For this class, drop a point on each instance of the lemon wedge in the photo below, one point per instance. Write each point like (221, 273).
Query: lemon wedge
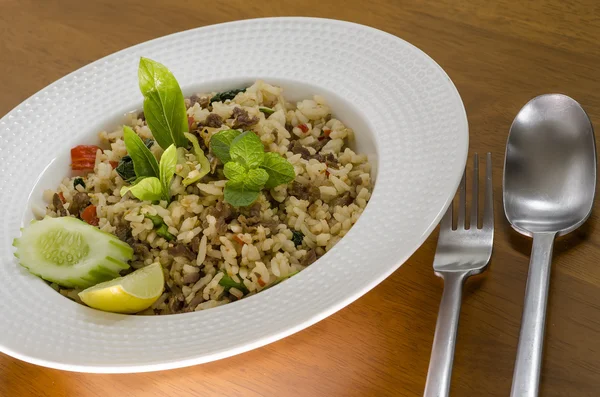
(132, 293)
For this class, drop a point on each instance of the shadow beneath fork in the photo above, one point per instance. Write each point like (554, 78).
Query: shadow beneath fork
(475, 283)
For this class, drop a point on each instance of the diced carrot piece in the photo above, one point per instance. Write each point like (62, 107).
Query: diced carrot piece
(89, 215)
(261, 282)
(326, 132)
(238, 239)
(62, 197)
(83, 157)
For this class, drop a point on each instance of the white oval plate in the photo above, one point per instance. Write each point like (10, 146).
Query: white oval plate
(407, 116)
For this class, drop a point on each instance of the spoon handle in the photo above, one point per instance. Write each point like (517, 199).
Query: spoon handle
(444, 340)
(526, 376)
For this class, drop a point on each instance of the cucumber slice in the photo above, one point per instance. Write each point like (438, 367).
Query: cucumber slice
(71, 253)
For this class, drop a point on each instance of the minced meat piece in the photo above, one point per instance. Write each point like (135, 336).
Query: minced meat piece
(248, 223)
(195, 244)
(213, 120)
(80, 202)
(58, 205)
(309, 258)
(193, 99)
(297, 148)
(141, 250)
(331, 161)
(204, 102)
(123, 232)
(181, 250)
(270, 224)
(198, 299)
(255, 210)
(343, 200)
(176, 303)
(222, 210)
(221, 226)
(328, 159)
(242, 119)
(318, 145)
(223, 213)
(310, 193)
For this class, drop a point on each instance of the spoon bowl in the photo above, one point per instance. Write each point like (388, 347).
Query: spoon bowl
(550, 168)
(549, 187)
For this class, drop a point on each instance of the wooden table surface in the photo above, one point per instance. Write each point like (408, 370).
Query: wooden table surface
(499, 54)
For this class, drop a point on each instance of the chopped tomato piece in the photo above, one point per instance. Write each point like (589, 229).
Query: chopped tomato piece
(303, 127)
(114, 164)
(261, 282)
(62, 197)
(83, 157)
(89, 215)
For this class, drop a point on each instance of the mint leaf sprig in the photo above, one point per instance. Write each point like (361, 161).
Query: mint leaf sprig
(247, 167)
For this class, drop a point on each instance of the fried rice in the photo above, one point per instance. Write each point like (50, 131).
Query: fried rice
(256, 247)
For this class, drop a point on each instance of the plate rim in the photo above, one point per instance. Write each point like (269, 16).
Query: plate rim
(308, 320)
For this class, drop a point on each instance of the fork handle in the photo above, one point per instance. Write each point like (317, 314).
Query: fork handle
(444, 341)
(526, 376)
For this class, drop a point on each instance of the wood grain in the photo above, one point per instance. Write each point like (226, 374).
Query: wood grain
(499, 54)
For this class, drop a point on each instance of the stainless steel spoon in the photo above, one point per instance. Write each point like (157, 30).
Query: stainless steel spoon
(549, 187)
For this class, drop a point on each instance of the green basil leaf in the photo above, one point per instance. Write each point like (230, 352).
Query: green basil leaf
(223, 96)
(156, 220)
(78, 181)
(297, 237)
(239, 195)
(144, 162)
(234, 171)
(125, 169)
(228, 282)
(279, 169)
(200, 156)
(163, 231)
(256, 179)
(220, 144)
(248, 150)
(147, 189)
(266, 111)
(164, 106)
(168, 163)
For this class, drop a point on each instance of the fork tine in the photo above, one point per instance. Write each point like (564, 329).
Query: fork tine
(475, 202)
(488, 212)
(462, 202)
(446, 223)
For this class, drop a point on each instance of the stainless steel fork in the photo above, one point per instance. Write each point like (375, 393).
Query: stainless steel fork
(461, 252)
